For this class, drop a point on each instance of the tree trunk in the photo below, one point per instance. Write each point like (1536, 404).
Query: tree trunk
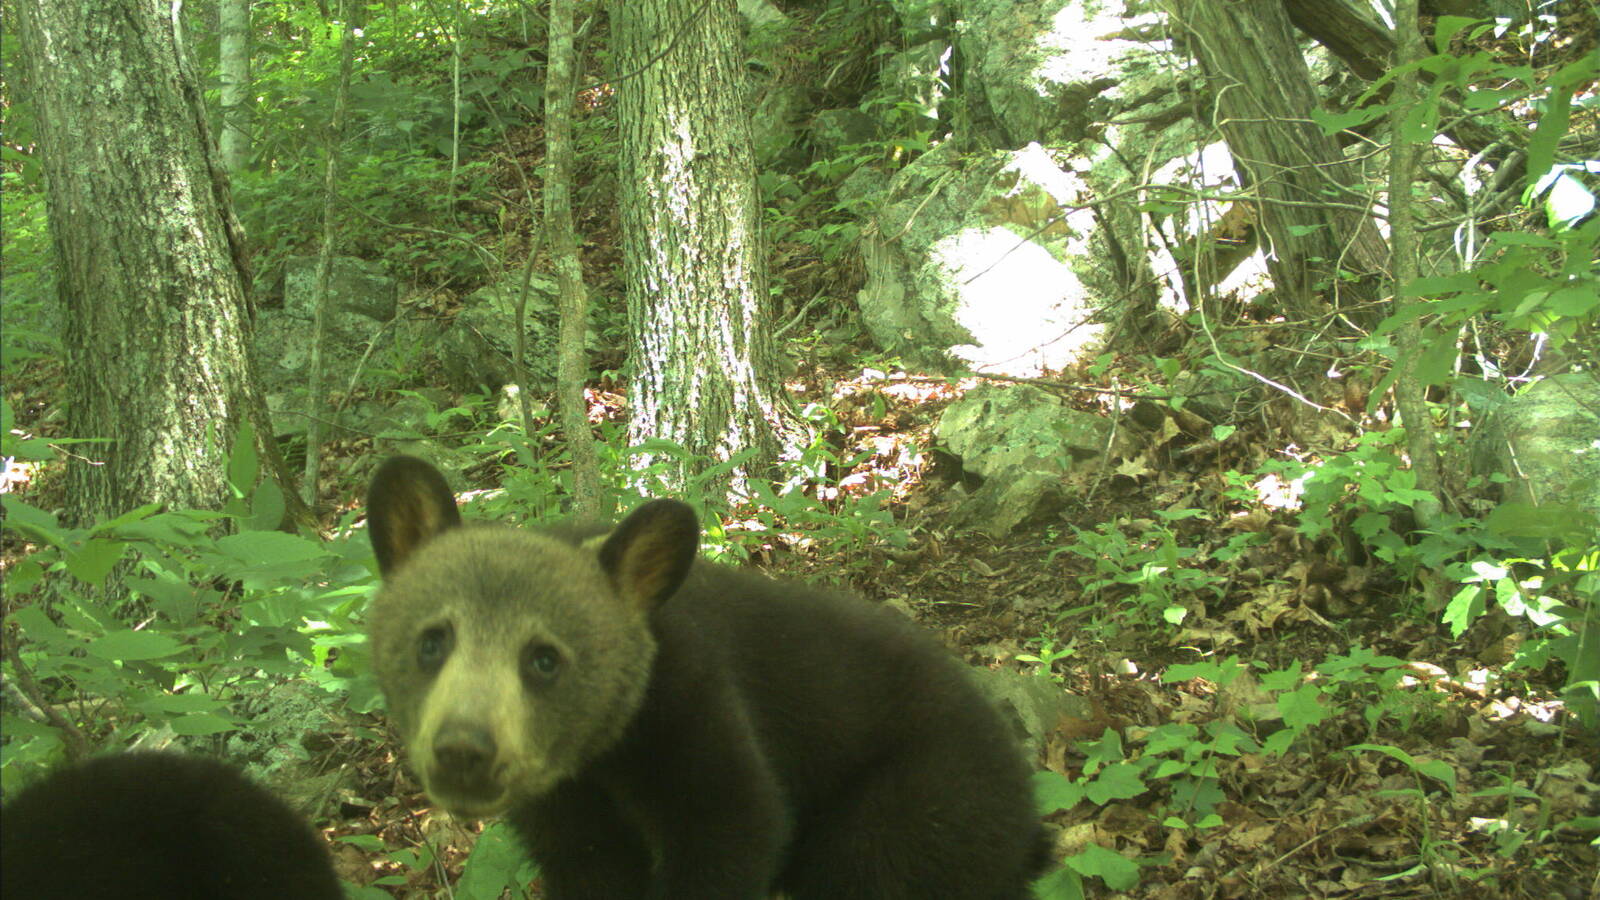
(233, 60)
(572, 363)
(1409, 391)
(702, 353)
(1299, 178)
(316, 378)
(151, 275)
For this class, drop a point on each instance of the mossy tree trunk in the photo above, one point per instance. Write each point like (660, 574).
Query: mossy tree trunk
(151, 275)
(704, 372)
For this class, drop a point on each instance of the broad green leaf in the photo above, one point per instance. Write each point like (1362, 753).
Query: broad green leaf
(1053, 791)
(95, 559)
(498, 861)
(38, 626)
(1438, 355)
(268, 547)
(1117, 871)
(1118, 781)
(1302, 707)
(134, 645)
(32, 520)
(242, 463)
(1447, 27)
(1463, 609)
(266, 506)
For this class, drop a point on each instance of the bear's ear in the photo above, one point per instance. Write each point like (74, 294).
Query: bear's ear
(649, 554)
(407, 504)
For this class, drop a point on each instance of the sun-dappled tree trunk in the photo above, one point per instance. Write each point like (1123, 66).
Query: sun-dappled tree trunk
(151, 278)
(572, 364)
(233, 63)
(702, 352)
(1312, 221)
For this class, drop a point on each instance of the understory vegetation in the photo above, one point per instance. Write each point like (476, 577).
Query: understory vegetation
(1277, 675)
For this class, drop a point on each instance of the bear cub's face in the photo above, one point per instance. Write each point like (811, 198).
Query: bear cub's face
(510, 657)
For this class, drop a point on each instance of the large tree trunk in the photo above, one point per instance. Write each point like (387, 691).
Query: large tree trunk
(1315, 229)
(702, 353)
(150, 272)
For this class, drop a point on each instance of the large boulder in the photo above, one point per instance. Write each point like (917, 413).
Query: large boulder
(975, 264)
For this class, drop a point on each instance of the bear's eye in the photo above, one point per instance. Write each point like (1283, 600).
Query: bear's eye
(540, 663)
(433, 646)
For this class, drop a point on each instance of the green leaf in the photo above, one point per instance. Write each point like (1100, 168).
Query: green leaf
(1432, 768)
(1053, 792)
(1574, 301)
(37, 625)
(32, 520)
(1118, 872)
(1438, 356)
(1302, 707)
(1447, 27)
(266, 506)
(1118, 781)
(1464, 609)
(497, 862)
(128, 518)
(196, 724)
(1439, 770)
(263, 548)
(1552, 125)
(242, 463)
(181, 528)
(134, 645)
(95, 559)
(24, 574)
(1062, 884)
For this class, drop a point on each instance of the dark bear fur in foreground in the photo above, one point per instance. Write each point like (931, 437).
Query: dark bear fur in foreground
(158, 826)
(657, 727)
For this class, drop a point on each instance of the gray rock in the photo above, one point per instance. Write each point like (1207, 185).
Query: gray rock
(1022, 442)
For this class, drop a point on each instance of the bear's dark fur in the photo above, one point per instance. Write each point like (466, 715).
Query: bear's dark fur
(657, 727)
(158, 826)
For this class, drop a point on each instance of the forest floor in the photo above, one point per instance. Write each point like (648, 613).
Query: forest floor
(1320, 820)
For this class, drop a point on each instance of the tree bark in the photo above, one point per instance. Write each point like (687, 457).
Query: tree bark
(1350, 33)
(572, 363)
(702, 353)
(1409, 391)
(151, 273)
(1263, 95)
(233, 61)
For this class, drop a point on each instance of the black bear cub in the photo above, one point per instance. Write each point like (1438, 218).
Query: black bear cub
(662, 728)
(158, 826)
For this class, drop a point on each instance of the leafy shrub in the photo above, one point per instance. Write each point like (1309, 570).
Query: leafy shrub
(194, 624)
